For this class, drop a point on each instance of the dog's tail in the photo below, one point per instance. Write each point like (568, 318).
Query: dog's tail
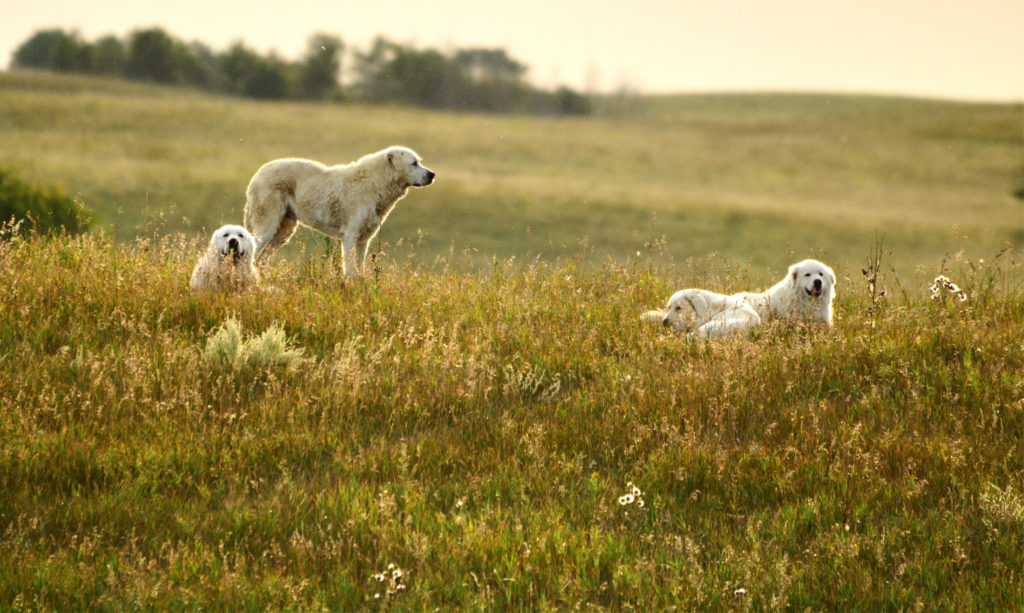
(285, 230)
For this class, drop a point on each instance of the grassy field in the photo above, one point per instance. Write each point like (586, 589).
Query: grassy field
(759, 180)
(481, 423)
(479, 434)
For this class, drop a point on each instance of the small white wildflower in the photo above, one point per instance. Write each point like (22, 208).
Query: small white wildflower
(739, 592)
(626, 499)
(640, 503)
(635, 490)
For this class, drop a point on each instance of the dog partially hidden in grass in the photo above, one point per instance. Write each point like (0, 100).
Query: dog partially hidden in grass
(227, 263)
(806, 294)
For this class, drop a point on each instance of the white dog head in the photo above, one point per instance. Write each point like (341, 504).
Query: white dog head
(235, 241)
(407, 164)
(680, 312)
(814, 278)
(811, 289)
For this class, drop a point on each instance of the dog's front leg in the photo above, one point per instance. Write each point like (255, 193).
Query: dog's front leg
(350, 252)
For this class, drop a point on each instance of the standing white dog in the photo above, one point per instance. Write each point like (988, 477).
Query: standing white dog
(806, 294)
(347, 201)
(227, 262)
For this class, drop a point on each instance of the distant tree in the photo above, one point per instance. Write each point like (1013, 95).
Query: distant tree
(392, 72)
(246, 73)
(571, 102)
(489, 65)
(371, 82)
(194, 64)
(236, 66)
(267, 82)
(151, 56)
(70, 55)
(207, 63)
(107, 56)
(52, 50)
(37, 51)
(423, 78)
(321, 70)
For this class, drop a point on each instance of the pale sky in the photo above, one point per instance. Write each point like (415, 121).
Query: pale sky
(969, 50)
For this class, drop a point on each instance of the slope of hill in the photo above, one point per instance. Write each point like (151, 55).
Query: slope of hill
(758, 179)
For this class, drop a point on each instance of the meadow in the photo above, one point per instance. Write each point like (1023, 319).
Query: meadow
(481, 423)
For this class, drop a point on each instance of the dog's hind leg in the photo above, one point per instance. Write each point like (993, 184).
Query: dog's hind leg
(271, 219)
(285, 229)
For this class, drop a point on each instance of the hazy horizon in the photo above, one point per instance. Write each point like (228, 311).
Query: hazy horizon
(938, 50)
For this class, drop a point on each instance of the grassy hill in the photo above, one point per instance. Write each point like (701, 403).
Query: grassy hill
(758, 179)
(483, 433)
(463, 428)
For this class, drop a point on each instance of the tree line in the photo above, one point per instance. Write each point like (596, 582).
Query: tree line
(475, 79)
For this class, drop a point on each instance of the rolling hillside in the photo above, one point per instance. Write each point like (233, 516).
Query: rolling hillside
(758, 179)
(481, 423)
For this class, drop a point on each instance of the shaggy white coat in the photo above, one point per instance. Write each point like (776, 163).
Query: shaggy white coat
(806, 293)
(347, 201)
(227, 263)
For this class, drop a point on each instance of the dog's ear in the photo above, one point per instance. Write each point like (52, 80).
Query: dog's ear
(395, 159)
(793, 272)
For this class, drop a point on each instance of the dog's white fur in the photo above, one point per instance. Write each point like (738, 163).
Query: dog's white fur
(806, 293)
(347, 201)
(227, 263)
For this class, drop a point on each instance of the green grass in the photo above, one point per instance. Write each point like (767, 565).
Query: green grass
(758, 179)
(476, 430)
(473, 409)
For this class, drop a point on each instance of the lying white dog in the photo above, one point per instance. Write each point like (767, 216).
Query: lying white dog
(228, 261)
(805, 294)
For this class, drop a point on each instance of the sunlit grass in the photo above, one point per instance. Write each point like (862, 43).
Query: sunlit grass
(477, 432)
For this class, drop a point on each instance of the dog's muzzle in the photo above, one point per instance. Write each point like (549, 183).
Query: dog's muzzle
(234, 250)
(816, 289)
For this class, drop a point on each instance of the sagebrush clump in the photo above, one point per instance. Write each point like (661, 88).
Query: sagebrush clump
(38, 208)
(229, 348)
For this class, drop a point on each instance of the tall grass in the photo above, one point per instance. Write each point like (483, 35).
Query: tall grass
(461, 440)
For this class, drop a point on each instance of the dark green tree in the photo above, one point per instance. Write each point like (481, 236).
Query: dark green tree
(52, 50)
(321, 70)
(246, 73)
(151, 57)
(570, 102)
(107, 56)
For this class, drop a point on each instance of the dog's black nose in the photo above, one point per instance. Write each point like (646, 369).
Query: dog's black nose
(233, 244)
(430, 177)
(817, 284)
